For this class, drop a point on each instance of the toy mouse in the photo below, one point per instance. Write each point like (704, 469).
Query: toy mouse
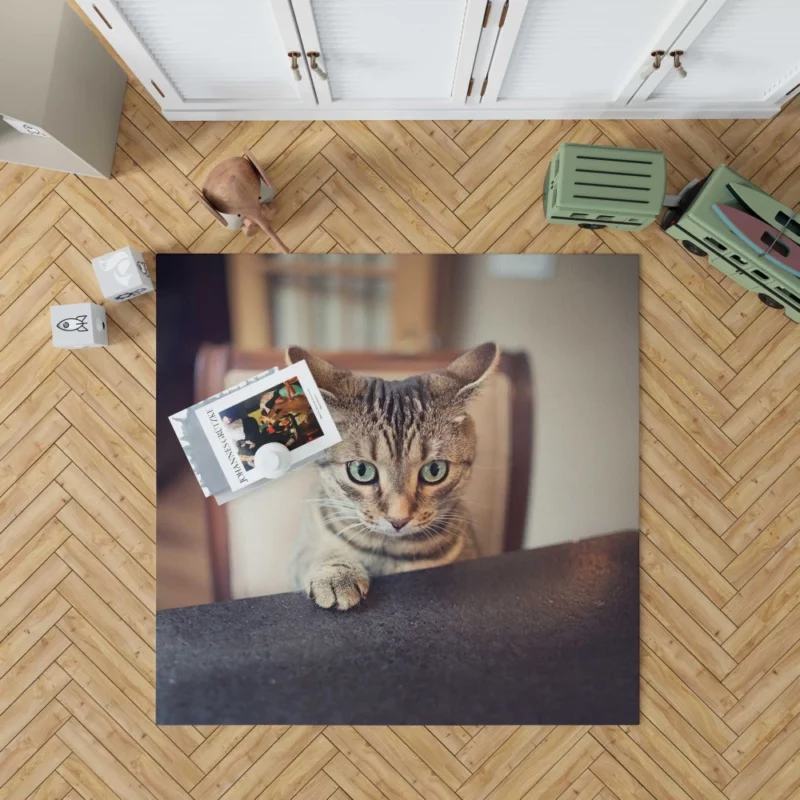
(233, 188)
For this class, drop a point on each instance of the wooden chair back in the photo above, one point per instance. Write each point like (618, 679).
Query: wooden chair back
(215, 362)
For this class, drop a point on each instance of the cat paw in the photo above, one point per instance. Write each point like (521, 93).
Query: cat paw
(339, 586)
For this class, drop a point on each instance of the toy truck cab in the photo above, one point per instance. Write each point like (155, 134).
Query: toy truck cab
(701, 231)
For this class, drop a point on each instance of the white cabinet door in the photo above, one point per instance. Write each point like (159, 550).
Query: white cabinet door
(558, 53)
(208, 54)
(390, 54)
(734, 51)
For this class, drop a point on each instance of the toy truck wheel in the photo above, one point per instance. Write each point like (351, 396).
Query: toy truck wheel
(769, 301)
(693, 248)
(592, 226)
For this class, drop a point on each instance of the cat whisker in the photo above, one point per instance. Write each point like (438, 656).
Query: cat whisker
(331, 504)
(452, 518)
(436, 539)
(349, 527)
(444, 533)
(350, 538)
(324, 499)
(327, 501)
(441, 528)
(338, 509)
(342, 518)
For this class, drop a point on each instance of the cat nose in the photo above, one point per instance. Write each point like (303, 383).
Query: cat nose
(398, 523)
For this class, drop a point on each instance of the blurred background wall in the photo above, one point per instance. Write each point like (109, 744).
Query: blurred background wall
(575, 316)
(578, 318)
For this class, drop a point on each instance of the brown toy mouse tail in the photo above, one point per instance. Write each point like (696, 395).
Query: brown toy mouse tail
(267, 228)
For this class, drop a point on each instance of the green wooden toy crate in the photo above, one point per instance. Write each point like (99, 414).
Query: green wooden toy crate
(599, 187)
(697, 227)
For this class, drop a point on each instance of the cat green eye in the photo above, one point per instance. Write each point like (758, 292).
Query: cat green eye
(362, 471)
(433, 472)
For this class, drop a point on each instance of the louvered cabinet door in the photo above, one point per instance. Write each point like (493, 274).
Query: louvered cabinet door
(552, 54)
(390, 54)
(734, 52)
(208, 55)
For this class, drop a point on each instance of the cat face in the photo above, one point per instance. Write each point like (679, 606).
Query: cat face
(407, 446)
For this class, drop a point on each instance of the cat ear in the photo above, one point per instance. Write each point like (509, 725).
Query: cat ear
(332, 382)
(473, 368)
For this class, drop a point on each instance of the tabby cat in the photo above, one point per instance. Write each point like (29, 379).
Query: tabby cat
(390, 494)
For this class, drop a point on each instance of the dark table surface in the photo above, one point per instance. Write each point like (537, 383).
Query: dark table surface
(546, 636)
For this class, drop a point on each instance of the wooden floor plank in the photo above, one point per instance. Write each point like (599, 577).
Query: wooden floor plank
(38, 768)
(153, 198)
(692, 635)
(12, 176)
(680, 588)
(103, 473)
(32, 592)
(494, 152)
(19, 280)
(685, 701)
(419, 161)
(31, 484)
(681, 553)
(120, 744)
(682, 735)
(498, 182)
(236, 762)
(377, 164)
(159, 131)
(111, 625)
(437, 143)
(144, 153)
(30, 230)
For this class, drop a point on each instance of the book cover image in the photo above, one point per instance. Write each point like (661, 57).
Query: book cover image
(284, 407)
(281, 414)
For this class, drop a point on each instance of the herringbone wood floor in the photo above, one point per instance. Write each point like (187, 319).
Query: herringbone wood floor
(720, 462)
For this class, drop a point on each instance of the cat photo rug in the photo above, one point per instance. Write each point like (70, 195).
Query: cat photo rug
(462, 545)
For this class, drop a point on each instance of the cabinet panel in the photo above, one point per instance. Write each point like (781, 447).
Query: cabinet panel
(416, 59)
(381, 52)
(581, 50)
(207, 53)
(748, 51)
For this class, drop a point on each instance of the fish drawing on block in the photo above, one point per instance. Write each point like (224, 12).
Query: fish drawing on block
(763, 238)
(769, 209)
(74, 324)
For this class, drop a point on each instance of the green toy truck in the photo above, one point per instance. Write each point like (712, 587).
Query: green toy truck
(700, 230)
(609, 187)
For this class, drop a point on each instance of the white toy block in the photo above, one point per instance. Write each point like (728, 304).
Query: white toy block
(122, 274)
(78, 325)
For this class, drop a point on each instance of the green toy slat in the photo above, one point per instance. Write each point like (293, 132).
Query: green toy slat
(638, 183)
(616, 193)
(621, 155)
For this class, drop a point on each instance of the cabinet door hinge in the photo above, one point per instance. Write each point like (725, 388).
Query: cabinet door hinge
(469, 88)
(483, 88)
(503, 15)
(487, 12)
